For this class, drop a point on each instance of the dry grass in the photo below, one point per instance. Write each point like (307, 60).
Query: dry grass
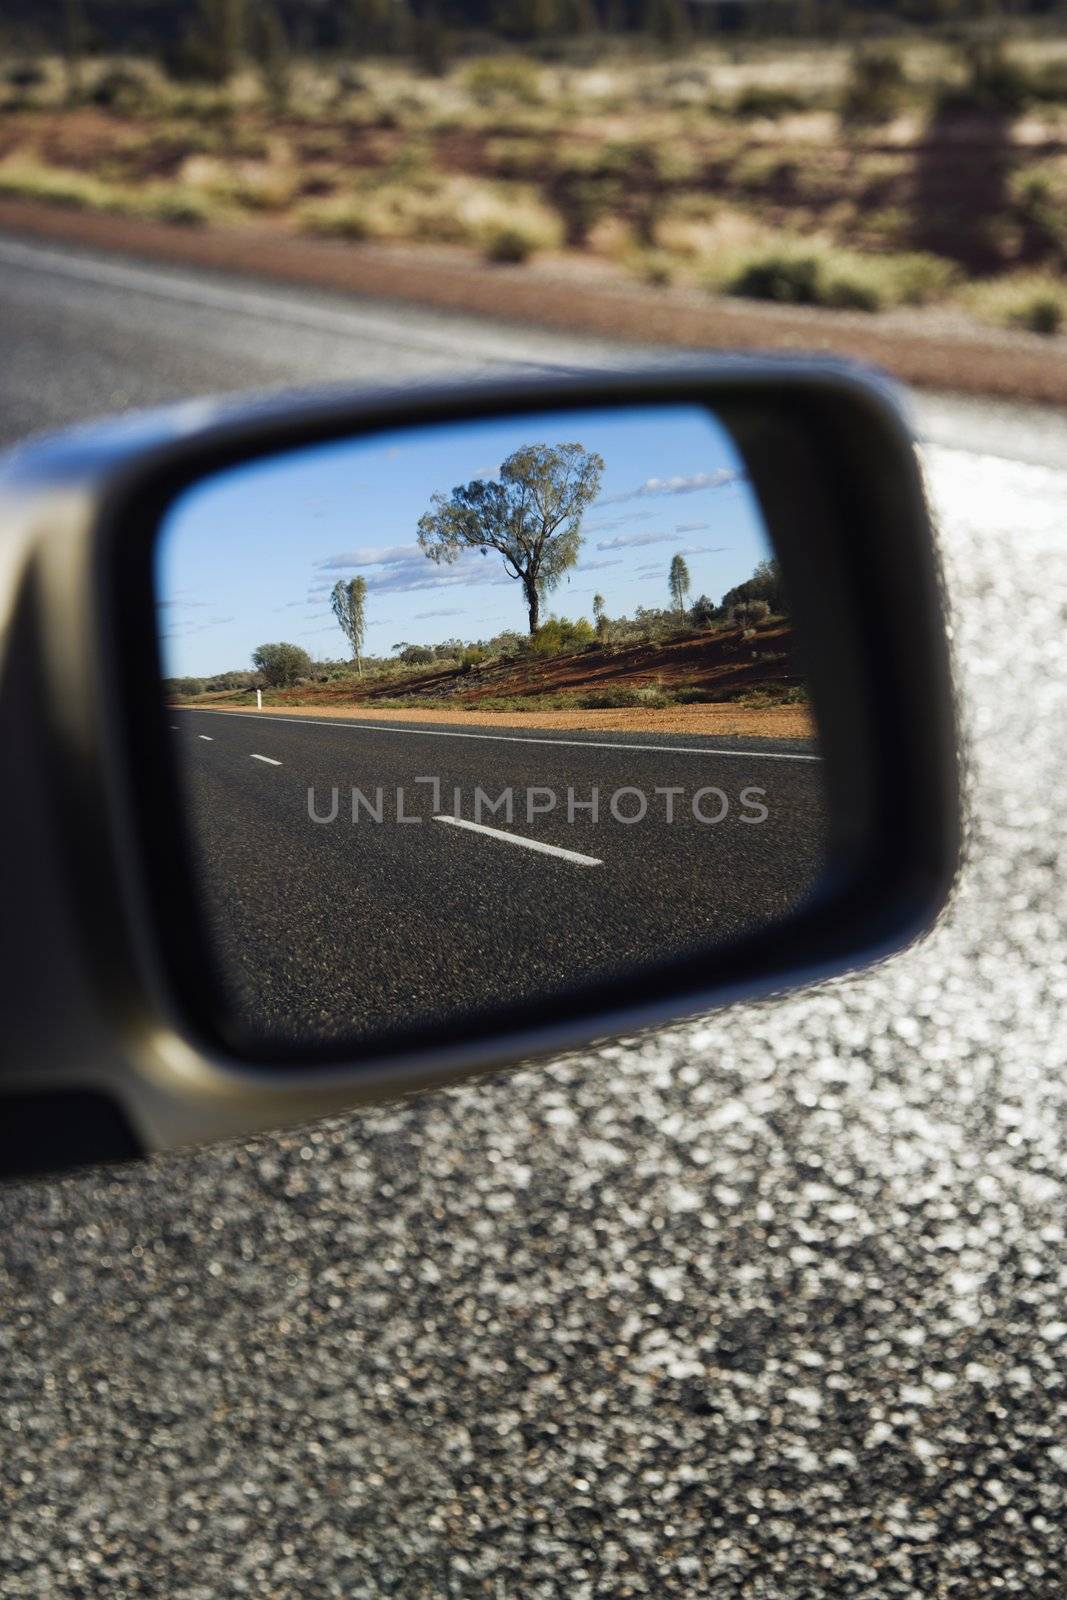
(818, 272)
(440, 209)
(176, 203)
(1035, 302)
(730, 172)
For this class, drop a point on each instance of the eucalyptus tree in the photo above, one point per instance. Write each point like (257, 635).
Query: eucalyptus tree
(530, 516)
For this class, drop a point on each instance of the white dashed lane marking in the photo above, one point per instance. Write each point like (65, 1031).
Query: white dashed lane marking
(527, 844)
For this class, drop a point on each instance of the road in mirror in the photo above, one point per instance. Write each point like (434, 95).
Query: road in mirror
(478, 713)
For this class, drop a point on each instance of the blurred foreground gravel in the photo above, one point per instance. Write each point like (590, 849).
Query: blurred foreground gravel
(773, 1307)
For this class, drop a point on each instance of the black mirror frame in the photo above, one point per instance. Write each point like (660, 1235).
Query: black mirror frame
(848, 515)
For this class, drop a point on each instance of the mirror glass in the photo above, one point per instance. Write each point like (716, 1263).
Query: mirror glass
(480, 713)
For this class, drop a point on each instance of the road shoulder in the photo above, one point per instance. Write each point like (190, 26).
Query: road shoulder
(757, 722)
(928, 350)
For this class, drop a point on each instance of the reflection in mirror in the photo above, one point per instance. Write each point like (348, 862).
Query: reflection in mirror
(475, 714)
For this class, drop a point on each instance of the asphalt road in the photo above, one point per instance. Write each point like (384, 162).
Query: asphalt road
(476, 869)
(773, 1306)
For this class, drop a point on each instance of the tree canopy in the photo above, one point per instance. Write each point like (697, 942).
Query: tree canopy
(764, 584)
(678, 581)
(348, 601)
(281, 664)
(531, 516)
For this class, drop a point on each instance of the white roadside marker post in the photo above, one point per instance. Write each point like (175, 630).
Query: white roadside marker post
(259, 699)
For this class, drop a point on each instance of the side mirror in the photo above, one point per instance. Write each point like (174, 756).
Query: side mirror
(362, 744)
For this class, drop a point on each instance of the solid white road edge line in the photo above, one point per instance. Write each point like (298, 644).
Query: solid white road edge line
(510, 738)
(527, 844)
(296, 310)
(268, 759)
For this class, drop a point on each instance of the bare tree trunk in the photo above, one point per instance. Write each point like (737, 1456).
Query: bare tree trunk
(533, 601)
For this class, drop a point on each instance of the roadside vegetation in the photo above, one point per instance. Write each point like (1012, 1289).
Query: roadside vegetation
(737, 651)
(869, 173)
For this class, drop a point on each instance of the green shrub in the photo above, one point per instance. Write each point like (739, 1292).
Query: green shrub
(1040, 209)
(581, 192)
(25, 76)
(917, 278)
(1049, 83)
(760, 100)
(875, 87)
(624, 697)
(54, 186)
(515, 158)
(703, 613)
(559, 635)
(824, 275)
(185, 208)
(508, 244)
(1033, 302)
(1041, 311)
(639, 171)
(281, 664)
(416, 655)
(765, 172)
(653, 267)
(503, 77)
(774, 694)
(749, 613)
(788, 278)
(119, 88)
(993, 84)
(337, 219)
(850, 289)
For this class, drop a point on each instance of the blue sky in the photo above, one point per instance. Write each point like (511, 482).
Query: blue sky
(250, 555)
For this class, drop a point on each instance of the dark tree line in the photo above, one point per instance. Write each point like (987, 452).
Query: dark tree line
(168, 27)
(764, 584)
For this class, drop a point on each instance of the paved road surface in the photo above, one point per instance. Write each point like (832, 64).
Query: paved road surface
(386, 914)
(772, 1307)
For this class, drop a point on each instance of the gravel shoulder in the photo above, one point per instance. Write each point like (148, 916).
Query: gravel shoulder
(769, 722)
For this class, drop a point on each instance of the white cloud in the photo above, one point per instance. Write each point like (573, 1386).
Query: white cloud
(405, 581)
(405, 569)
(370, 556)
(611, 523)
(691, 527)
(184, 631)
(679, 483)
(685, 550)
(633, 541)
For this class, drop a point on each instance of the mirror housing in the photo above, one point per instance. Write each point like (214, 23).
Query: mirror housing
(110, 1048)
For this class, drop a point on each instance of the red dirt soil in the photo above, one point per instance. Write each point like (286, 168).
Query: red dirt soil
(719, 665)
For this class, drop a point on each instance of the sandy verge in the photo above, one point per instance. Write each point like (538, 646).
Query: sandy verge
(926, 348)
(769, 722)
